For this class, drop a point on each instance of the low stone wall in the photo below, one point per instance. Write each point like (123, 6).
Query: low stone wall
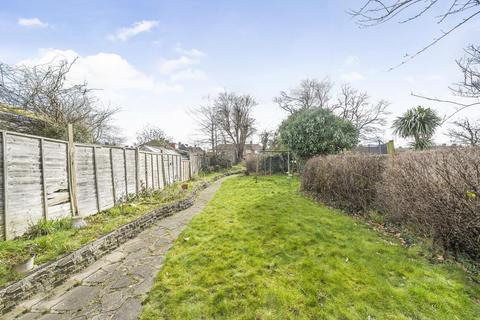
(52, 274)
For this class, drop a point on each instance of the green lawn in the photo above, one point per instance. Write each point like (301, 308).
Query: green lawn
(263, 251)
(52, 239)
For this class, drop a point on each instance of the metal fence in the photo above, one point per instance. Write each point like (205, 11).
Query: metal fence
(42, 178)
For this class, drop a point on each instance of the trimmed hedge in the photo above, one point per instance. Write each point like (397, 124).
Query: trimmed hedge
(436, 192)
(347, 181)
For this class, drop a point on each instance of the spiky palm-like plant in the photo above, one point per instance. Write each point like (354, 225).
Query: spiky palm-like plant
(418, 123)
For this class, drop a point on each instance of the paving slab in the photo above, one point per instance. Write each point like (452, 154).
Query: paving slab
(115, 286)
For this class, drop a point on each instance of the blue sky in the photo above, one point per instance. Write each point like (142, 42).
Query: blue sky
(157, 60)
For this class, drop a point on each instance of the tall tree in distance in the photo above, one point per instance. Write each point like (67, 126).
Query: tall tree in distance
(311, 93)
(234, 116)
(351, 104)
(465, 132)
(207, 120)
(470, 68)
(418, 123)
(153, 136)
(265, 139)
(367, 117)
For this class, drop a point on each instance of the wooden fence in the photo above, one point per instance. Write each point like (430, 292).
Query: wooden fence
(42, 178)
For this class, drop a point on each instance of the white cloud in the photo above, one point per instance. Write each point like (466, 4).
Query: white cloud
(123, 34)
(188, 75)
(168, 66)
(410, 79)
(32, 22)
(352, 76)
(193, 53)
(111, 73)
(181, 64)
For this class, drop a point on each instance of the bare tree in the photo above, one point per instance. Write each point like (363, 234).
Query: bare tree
(265, 138)
(153, 136)
(235, 118)
(465, 132)
(355, 106)
(468, 87)
(39, 100)
(470, 68)
(311, 93)
(207, 120)
(375, 12)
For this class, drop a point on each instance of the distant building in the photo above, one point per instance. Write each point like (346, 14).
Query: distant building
(228, 152)
(164, 150)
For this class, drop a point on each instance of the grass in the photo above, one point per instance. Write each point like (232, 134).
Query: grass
(51, 239)
(263, 251)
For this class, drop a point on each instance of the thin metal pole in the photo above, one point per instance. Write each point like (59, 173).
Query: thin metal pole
(288, 162)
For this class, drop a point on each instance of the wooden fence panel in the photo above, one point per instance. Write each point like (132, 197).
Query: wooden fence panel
(176, 168)
(118, 162)
(142, 171)
(166, 170)
(185, 170)
(56, 179)
(35, 177)
(104, 178)
(86, 185)
(148, 171)
(24, 183)
(131, 171)
(155, 176)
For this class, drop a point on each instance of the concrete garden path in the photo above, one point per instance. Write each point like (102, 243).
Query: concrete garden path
(114, 286)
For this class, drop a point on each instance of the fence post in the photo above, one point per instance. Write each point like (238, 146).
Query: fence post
(168, 168)
(158, 173)
(125, 170)
(153, 175)
(180, 168)
(146, 171)
(163, 172)
(137, 169)
(44, 183)
(72, 171)
(5, 186)
(390, 148)
(113, 177)
(95, 175)
(190, 167)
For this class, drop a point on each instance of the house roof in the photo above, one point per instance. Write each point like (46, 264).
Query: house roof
(158, 150)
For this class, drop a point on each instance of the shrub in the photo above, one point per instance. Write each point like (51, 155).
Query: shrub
(438, 194)
(317, 131)
(346, 181)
